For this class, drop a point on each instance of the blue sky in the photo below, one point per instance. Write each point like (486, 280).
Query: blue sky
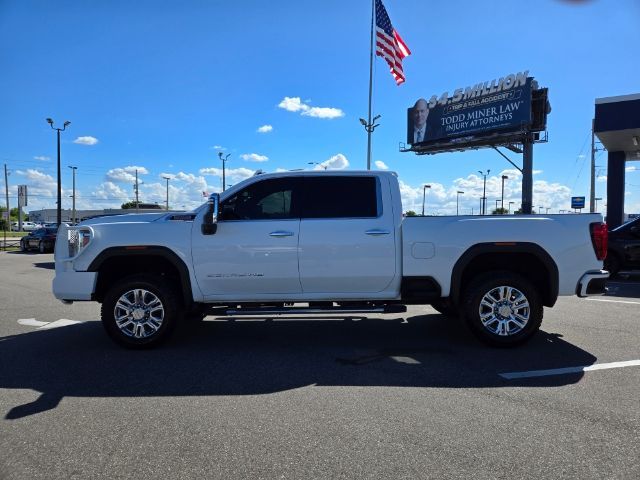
(163, 86)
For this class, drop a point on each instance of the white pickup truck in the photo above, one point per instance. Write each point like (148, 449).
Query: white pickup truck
(325, 242)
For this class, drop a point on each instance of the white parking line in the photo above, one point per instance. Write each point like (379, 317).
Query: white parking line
(564, 371)
(612, 301)
(31, 322)
(63, 322)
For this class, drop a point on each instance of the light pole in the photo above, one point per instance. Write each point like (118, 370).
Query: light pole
(424, 191)
(596, 202)
(73, 208)
(369, 127)
(167, 179)
(547, 212)
(484, 191)
(504, 177)
(510, 203)
(59, 210)
(224, 161)
(540, 209)
(458, 193)
(324, 167)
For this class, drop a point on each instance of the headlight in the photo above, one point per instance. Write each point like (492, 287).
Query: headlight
(78, 239)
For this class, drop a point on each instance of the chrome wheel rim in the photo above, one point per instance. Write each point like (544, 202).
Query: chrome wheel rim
(138, 313)
(504, 311)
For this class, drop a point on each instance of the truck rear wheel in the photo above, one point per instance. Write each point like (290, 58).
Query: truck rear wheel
(503, 309)
(140, 312)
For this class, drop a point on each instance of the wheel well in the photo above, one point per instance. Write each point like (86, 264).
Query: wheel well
(526, 264)
(117, 267)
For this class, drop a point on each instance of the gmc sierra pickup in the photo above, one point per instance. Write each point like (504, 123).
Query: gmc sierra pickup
(325, 242)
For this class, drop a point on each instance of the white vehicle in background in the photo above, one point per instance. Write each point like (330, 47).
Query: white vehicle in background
(326, 242)
(26, 226)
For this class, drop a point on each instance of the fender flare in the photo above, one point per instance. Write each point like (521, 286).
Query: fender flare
(479, 249)
(148, 250)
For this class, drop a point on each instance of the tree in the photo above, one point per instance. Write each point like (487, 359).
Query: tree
(128, 205)
(500, 211)
(410, 213)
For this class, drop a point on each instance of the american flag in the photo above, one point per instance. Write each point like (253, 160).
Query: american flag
(389, 44)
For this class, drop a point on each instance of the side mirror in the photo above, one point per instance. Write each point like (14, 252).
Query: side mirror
(210, 222)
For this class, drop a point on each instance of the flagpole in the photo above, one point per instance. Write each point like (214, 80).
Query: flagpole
(369, 129)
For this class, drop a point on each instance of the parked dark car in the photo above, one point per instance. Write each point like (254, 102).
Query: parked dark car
(623, 252)
(42, 239)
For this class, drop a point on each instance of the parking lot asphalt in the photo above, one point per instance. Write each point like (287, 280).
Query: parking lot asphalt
(379, 396)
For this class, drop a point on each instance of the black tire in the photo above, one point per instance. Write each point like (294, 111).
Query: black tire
(445, 307)
(612, 264)
(42, 248)
(149, 297)
(23, 246)
(502, 309)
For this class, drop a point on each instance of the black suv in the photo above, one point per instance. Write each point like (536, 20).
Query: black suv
(42, 239)
(623, 252)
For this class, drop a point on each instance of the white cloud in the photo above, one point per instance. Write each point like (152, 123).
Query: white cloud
(630, 169)
(380, 165)
(42, 158)
(294, 104)
(323, 112)
(86, 140)
(111, 191)
(265, 129)
(254, 157)
(337, 162)
(126, 174)
(218, 147)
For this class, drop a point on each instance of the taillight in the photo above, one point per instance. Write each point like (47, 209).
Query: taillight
(599, 239)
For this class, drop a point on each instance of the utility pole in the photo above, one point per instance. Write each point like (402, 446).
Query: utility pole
(73, 208)
(167, 179)
(458, 201)
(369, 126)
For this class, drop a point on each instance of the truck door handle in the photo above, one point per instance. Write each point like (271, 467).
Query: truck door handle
(281, 233)
(377, 231)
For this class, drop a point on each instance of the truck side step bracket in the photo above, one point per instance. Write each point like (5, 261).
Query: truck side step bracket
(392, 308)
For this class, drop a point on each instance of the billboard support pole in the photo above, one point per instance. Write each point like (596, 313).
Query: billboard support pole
(527, 174)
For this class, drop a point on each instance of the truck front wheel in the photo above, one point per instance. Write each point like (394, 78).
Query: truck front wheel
(503, 309)
(140, 312)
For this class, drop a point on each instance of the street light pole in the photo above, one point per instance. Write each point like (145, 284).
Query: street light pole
(504, 177)
(510, 203)
(73, 208)
(596, 203)
(167, 179)
(458, 201)
(59, 209)
(224, 161)
(424, 191)
(484, 191)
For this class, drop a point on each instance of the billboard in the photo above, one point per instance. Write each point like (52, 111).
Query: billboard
(22, 195)
(502, 105)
